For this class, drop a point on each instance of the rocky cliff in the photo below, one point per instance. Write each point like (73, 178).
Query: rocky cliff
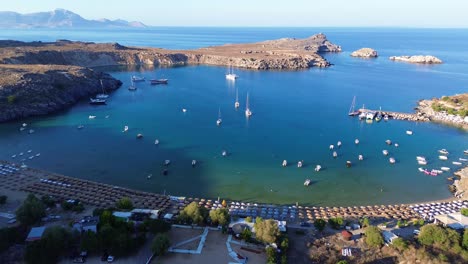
(417, 59)
(364, 53)
(275, 54)
(31, 90)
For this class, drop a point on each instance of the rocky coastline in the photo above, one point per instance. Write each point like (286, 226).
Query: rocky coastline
(461, 185)
(365, 53)
(425, 109)
(421, 59)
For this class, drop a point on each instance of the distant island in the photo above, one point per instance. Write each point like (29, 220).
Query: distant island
(417, 59)
(364, 53)
(39, 78)
(60, 18)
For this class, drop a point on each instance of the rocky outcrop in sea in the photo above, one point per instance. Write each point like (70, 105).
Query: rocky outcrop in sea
(417, 59)
(364, 53)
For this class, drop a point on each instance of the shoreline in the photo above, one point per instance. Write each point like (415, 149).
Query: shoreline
(92, 193)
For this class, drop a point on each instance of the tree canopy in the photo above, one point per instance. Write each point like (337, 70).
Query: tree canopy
(320, 224)
(55, 241)
(160, 244)
(439, 237)
(31, 211)
(156, 226)
(124, 204)
(194, 213)
(374, 237)
(266, 230)
(219, 216)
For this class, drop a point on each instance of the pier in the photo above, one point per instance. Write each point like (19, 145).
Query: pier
(399, 115)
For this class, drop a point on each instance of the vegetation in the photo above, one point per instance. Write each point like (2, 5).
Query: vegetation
(10, 236)
(75, 206)
(193, 213)
(246, 234)
(271, 255)
(374, 237)
(219, 216)
(157, 226)
(336, 223)
(464, 211)
(160, 244)
(89, 242)
(3, 199)
(31, 211)
(48, 201)
(248, 219)
(465, 239)
(124, 204)
(11, 99)
(365, 222)
(441, 238)
(55, 241)
(342, 262)
(456, 105)
(320, 224)
(266, 230)
(400, 244)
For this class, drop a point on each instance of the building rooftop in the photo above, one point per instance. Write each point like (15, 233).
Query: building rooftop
(35, 233)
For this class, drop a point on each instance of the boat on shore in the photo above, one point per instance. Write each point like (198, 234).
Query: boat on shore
(378, 116)
(370, 116)
(352, 111)
(362, 113)
(385, 118)
(307, 182)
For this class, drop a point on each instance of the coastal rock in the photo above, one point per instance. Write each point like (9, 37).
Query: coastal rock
(364, 53)
(459, 103)
(461, 185)
(417, 59)
(32, 90)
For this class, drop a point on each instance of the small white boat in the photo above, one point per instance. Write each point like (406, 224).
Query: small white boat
(107, 116)
(299, 164)
(167, 162)
(360, 157)
(156, 141)
(356, 141)
(331, 147)
(139, 136)
(462, 159)
(335, 154)
(420, 158)
(21, 154)
(22, 128)
(32, 157)
(307, 182)
(92, 117)
(388, 142)
(422, 162)
(80, 127)
(23, 166)
(230, 75)
(465, 152)
(318, 168)
(421, 169)
(224, 153)
(38, 154)
(29, 151)
(24, 125)
(149, 176)
(396, 145)
(184, 110)
(194, 162)
(348, 164)
(437, 171)
(443, 157)
(443, 151)
(31, 131)
(385, 152)
(137, 78)
(445, 168)
(338, 143)
(125, 129)
(285, 163)
(409, 132)
(392, 160)
(13, 156)
(237, 104)
(456, 163)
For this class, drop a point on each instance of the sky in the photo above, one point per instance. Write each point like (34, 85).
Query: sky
(288, 13)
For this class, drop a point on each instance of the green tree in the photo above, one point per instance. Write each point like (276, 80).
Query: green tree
(194, 213)
(124, 204)
(342, 262)
(3, 199)
(89, 242)
(320, 224)
(400, 244)
(11, 99)
(55, 242)
(465, 239)
(271, 255)
(156, 226)
(106, 236)
(284, 245)
(107, 218)
(336, 223)
(439, 237)
(248, 219)
(267, 231)
(374, 237)
(365, 222)
(31, 211)
(160, 244)
(246, 234)
(219, 216)
(464, 211)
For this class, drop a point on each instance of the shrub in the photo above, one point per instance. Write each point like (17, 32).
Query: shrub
(271, 255)
(400, 244)
(342, 262)
(194, 213)
(124, 204)
(266, 230)
(436, 236)
(248, 219)
(31, 211)
(464, 211)
(320, 224)
(11, 99)
(374, 237)
(365, 222)
(465, 239)
(246, 234)
(336, 223)
(160, 244)
(219, 216)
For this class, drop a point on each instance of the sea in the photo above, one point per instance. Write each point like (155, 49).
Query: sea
(297, 115)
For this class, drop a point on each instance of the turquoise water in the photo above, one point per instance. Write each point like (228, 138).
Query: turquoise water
(297, 115)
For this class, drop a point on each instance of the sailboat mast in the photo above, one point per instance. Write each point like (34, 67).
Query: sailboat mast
(102, 87)
(353, 104)
(247, 103)
(237, 95)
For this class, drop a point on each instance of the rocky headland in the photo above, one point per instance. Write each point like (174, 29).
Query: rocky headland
(452, 110)
(461, 185)
(364, 53)
(417, 59)
(31, 90)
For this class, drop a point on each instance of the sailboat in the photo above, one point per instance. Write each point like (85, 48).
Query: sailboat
(363, 113)
(230, 75)
(219, 121)
(351, 111)
(102, 95)
(132, 87)
(236, 104)
(248, 113)
(378, 117)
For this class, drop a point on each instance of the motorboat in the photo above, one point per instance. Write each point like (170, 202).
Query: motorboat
(396, 145)
(437, 171)
(348, 164)
(22, 128)
(445, 168)
(299, 164)
(456, 163)
(97, 101)
(378, 117)
(420, 158)
(138, 78)
(149, 176)
(167, 162)
(392, 160)
(360, 157)
(409, 132)
(224, 153)
(285, 163)
(125, 129)
(29, 151)
(338, 144)
(184, 110)
(443, 157)
(159, 81)
(156, 141)
(331, 147)
(363, 113)
(31, 131)
(24, 125)
(307, 182)
(139, 136)
(318, 168)
(443, 151)
(335, 154)
(194, 162)
(465, 152)
(433, 173)
(462, 159)
(13, 156)
(370, 115)
(421, 169)
(385, 152)
(132, 87)
(422, 162)
(356, 141)
(388, 142)
(38, 154)
(80, 127)
(21, 154)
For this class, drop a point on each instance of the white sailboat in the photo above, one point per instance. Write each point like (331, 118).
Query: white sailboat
(230, 75)
(219, 121)
(102, 95)
(132, 87)
(237, 104)
(248, 113)
(351, 111)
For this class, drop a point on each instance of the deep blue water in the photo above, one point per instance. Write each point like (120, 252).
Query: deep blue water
(297, 115)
